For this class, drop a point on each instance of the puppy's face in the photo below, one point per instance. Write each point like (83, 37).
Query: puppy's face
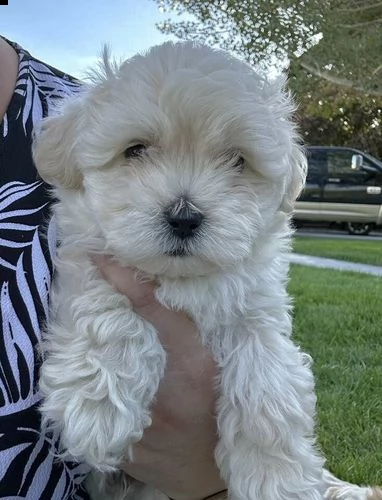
(181, 157)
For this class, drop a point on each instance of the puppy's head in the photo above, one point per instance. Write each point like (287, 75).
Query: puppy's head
(181, 157)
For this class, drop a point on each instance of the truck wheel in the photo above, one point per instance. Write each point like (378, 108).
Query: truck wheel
(358, 228)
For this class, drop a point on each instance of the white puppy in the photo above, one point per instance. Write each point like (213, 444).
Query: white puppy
(183, 163)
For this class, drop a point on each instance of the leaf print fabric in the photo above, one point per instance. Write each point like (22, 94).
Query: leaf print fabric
(28, 467)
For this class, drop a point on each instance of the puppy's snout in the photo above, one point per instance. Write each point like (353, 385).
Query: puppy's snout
(183, 218)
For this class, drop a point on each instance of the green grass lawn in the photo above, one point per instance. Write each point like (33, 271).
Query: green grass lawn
(338, 320)
(367, 252)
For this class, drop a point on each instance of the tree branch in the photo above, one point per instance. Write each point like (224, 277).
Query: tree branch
(343, 82)
(377, 70)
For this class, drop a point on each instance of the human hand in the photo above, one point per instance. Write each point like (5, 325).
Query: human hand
(176, 453)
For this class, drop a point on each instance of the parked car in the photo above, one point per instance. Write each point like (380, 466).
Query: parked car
(344, 185)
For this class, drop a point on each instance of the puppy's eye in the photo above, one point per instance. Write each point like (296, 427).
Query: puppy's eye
(134, 151)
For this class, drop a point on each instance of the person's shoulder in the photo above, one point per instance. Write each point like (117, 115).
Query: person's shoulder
(52, 71)
(40, 87)
(49, 79)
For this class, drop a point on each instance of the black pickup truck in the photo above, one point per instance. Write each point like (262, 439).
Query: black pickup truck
(344, 185)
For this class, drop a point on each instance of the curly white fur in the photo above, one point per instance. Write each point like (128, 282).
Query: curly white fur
(196, 111)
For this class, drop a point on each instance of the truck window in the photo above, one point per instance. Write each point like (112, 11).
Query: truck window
(339, 169)
(317, 165)
(339, 163)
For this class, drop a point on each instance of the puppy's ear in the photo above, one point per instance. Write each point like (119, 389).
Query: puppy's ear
(282, 104)
(54, 147)
(295, 178)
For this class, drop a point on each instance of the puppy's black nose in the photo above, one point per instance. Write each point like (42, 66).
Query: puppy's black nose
(183, 218)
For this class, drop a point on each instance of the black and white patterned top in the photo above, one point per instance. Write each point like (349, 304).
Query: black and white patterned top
(28, 468)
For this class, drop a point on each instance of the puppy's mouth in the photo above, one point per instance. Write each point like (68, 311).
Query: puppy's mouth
(178, 252)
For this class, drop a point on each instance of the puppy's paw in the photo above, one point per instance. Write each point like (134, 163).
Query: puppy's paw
(352, 492)
(97, 432)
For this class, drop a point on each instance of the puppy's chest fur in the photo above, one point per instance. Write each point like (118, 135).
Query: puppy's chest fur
(228, 307)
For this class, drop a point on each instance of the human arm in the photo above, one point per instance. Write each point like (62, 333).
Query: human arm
(9, 63)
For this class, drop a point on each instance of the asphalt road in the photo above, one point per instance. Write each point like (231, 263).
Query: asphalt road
(337, 234)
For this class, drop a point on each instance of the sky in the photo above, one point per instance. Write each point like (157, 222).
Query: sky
(69, 34)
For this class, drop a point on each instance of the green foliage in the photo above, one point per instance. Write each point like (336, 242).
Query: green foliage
(333, 116)
(335, 40)
(258, 30)
(350, 51)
